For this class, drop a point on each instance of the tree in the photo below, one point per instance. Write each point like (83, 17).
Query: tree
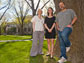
(21, 15)
(76, 55)
(3, 25)
(7, 6)
(32, 5)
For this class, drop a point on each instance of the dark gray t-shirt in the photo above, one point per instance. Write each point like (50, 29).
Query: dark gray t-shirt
(65, 18)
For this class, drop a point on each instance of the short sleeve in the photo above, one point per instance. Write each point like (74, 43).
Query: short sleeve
(33, 19)
(45, 20)
(73, 14)
(56, 20)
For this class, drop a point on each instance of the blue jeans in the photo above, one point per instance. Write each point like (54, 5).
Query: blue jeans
(64, 40)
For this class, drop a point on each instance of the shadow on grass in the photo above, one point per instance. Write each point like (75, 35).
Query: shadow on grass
(54, 60)
(37, 59)
(5, 43)
(2, 45)
(51, 60)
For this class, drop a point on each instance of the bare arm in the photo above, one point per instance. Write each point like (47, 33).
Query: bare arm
(46, 27)
(50, 30)
(74, 20)
(57, 26)
(33, 26)
(53, 26)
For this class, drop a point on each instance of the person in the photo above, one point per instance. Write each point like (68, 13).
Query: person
(64, 22)
(38, 34)
(50, 32)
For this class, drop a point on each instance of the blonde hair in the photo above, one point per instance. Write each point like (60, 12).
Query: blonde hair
(39, 10)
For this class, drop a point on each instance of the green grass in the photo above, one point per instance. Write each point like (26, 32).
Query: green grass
(14, 52)
(14, 37)
(19, 52)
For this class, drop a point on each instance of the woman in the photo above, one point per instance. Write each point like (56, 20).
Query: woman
(50, 32)
(38, 34)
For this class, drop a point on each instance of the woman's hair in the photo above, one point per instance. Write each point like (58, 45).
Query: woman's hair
(48, 12)
(39, 10)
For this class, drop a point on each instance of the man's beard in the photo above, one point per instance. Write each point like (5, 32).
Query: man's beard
(63, 8)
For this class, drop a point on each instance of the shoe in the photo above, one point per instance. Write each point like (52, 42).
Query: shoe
(33, 56)
(42, 53)
(67, 49)
(62, 60)
(48, 54)
(51, 57)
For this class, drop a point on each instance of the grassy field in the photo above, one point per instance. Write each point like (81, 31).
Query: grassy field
(14, 37)
(19, 52)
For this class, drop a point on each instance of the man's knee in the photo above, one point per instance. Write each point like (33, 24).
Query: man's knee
(63, 35)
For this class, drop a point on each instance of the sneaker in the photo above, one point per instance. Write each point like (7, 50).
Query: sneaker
(62, 60)
(67, 49)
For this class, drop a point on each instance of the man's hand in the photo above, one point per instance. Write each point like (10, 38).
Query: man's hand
(69, 26)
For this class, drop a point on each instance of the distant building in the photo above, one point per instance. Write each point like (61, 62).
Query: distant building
(14, 29)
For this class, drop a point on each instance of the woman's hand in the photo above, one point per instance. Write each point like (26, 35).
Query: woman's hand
(50, 30)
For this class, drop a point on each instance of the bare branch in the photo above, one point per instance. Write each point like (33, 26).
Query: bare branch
(17, 15)
(6, 9)
(21, 10)
(4, 13)
(45, 4)
(6, 5)
(14, 14)
(32, 6)
(25, 13)
(38, 5)
(22, 15)
(32, 2)
(28, 4)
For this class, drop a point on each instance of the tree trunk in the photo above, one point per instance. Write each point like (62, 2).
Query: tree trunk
(21, 30)
(0, 30)
(34, 12)
(76, 54)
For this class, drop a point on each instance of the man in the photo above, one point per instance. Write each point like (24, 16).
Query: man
(65, 19)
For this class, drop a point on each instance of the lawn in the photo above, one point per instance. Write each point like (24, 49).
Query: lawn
(14, 37)
(19, 52)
